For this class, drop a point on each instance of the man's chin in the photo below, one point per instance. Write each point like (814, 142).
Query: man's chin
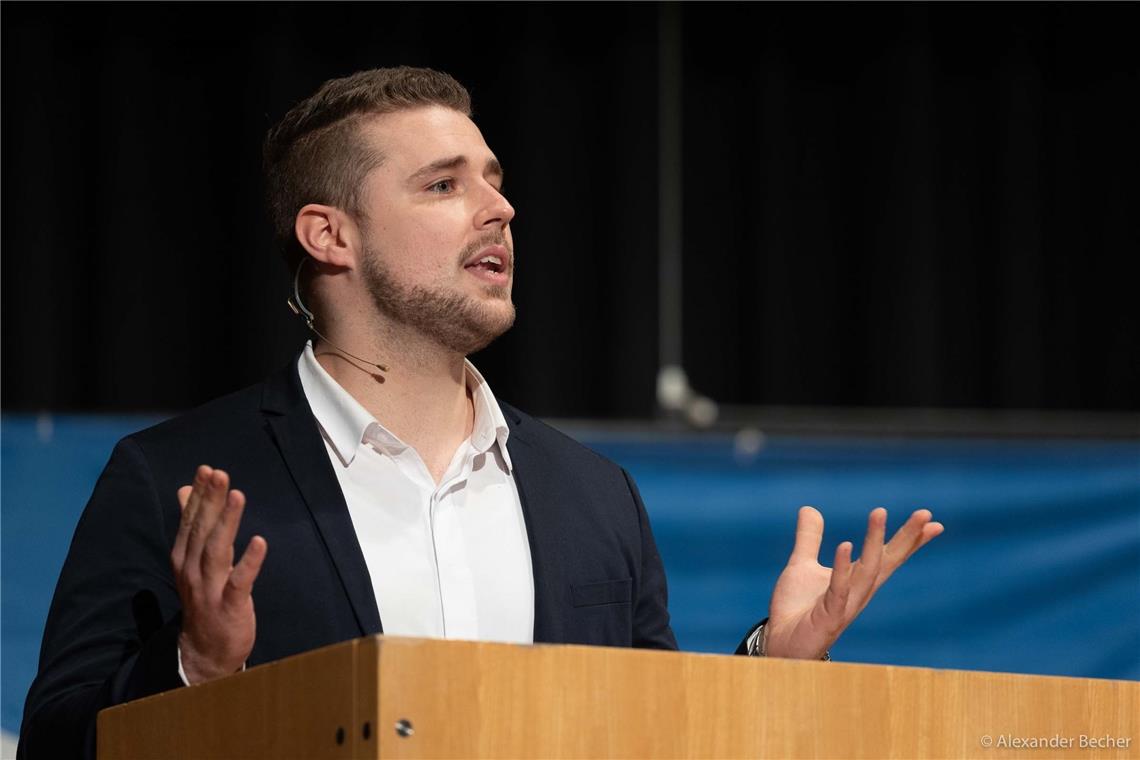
(495, 308)
(495, 292)
(483, 323)
(476, 342)
(463, 322)
(498, 321)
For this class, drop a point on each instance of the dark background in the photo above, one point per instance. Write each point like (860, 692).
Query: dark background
(885, 205)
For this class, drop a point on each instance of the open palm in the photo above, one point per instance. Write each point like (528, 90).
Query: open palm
(812, 604)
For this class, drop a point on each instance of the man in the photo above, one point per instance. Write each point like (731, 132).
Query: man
(382, 486)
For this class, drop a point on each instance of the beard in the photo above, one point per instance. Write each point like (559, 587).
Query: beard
(459, 322)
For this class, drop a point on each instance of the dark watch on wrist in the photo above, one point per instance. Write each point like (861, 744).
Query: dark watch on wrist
(756, 644)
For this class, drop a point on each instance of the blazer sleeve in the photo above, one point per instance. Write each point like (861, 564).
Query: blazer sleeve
(651, 629)
(112, 629)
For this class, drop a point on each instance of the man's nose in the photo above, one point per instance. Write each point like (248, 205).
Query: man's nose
(496, 212)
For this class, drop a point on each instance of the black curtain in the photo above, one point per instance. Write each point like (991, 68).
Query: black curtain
(899, 205)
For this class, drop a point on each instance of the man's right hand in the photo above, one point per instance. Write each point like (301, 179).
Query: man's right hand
(218, 623)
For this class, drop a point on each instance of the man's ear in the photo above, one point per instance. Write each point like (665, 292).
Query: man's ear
(328, 234)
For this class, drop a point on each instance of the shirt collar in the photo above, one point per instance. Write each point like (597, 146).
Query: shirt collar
(490, 426)
(345, 422)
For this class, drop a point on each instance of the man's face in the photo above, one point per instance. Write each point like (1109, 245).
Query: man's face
(437, 253)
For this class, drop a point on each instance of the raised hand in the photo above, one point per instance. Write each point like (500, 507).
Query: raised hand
(812, 604)
(218, 623)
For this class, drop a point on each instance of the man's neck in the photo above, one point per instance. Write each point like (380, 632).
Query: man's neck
(423, 399)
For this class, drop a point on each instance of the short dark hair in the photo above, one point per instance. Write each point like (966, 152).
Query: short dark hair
(317, 154)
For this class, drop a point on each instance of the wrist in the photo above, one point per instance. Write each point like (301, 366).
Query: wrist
(758, 646)
(195, 668)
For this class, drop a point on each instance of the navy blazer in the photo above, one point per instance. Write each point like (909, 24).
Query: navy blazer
(111, 633)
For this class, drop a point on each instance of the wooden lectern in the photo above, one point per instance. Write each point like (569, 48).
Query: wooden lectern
(389, 697)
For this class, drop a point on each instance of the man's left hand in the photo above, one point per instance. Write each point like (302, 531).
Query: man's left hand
(812, 604)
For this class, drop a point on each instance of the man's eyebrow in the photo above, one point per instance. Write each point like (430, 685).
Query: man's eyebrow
(492, 167)
(443, 164)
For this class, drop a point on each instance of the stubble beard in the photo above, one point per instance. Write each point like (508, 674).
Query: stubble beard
(459, 322)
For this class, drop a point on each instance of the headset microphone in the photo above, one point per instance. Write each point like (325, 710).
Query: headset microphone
(298, 307)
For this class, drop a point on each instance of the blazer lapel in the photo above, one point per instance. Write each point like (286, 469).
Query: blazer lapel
(547, 546)
(299, 440)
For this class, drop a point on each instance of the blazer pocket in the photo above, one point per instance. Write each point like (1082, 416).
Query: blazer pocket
(602, 592)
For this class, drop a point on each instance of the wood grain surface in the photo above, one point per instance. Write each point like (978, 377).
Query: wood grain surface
(467, 699)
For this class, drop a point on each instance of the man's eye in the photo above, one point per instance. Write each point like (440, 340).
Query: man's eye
(443, 186)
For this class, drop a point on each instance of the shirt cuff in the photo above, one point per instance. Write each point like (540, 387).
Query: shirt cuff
(182, 670)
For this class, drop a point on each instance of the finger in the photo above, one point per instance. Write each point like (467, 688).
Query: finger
(201, 484)
(178, 551)
(218, 552)
(839, 589)
(809, 535)
(930, 531)
(189, 498)
(212, 502)
(240, 583)
(894, 556)
(909, 539)
(871, 557)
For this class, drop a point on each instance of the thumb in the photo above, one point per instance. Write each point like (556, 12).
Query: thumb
(809, 535)
(240, 583)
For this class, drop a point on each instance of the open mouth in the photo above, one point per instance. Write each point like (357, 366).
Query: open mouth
(492, 265)
(489, 263)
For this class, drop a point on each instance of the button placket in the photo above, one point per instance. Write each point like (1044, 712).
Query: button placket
(457, 589)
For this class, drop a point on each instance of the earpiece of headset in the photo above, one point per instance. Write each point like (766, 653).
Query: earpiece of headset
(298, 307)
(295, 302)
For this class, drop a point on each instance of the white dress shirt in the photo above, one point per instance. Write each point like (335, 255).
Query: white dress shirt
(448, 561)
